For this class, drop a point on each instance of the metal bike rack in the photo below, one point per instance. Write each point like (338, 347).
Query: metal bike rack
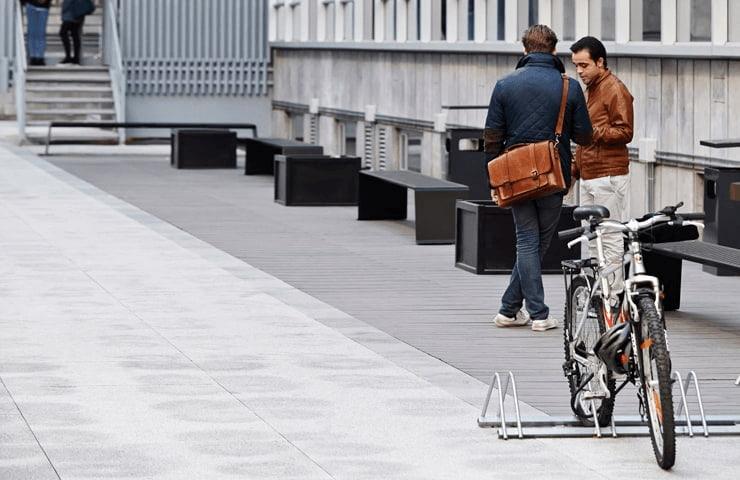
(685, 404)
(483, 421)
(622, 426)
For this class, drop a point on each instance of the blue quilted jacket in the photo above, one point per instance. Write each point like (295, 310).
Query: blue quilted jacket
(75, 10)
(524, 108)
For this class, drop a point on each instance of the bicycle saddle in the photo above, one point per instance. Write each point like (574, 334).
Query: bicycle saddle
(597, 212)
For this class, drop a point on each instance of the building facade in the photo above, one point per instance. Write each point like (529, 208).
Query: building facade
(376, 77)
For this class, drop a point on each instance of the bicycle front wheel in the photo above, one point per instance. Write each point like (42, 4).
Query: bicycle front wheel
(655, 367)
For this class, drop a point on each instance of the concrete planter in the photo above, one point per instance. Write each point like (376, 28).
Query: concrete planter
(486, 242)
(316, 180)
(203, 149)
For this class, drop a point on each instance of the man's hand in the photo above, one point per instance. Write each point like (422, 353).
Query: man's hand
(493, 196)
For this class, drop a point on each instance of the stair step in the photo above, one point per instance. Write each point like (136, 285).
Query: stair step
(69, 100)
(72, 111)
(62, 69)
(69, 89)
(60, 78)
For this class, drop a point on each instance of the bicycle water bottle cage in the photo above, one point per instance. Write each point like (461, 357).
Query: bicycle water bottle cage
(590, 212)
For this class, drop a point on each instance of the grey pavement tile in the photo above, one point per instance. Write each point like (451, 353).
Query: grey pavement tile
(284, 396)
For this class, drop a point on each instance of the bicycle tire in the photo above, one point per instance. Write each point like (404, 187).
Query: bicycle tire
(655, 356)
(606, 408)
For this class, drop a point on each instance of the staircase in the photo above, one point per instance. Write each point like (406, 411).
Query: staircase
(58, 92)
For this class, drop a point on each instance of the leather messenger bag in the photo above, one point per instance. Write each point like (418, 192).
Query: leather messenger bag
(529, 170)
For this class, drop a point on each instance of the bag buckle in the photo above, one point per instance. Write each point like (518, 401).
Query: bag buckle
(535, 173)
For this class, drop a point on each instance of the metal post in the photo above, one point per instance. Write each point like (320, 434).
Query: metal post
(516, 406)
(698, 398)
(684, 403)
(501, 410)
(597, 427)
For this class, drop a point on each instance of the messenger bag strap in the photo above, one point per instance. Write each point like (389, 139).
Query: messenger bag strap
(561, 114)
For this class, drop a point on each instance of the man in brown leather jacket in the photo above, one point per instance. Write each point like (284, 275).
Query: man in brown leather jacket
(603, 166)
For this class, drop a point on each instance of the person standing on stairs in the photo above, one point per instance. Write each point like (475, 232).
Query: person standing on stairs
(73, 17)
(37, 14)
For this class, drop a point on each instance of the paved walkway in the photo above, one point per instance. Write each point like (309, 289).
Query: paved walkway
(131, 349)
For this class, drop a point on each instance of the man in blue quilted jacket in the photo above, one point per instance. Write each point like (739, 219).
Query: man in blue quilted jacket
(524, 109)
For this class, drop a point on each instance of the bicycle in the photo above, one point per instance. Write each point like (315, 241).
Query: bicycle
(610, 338)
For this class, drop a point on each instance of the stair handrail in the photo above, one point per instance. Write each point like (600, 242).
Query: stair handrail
(21, 67)
(113, 58)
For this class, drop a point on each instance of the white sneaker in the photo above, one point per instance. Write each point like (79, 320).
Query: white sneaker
(546, 324)
(520, 319)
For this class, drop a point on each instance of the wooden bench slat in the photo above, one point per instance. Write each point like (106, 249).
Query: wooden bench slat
(278, 142)
(414, 180)
(701, 252)
(721, 143)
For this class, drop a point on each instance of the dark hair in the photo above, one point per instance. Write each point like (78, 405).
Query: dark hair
(539, 38)
(594, 46)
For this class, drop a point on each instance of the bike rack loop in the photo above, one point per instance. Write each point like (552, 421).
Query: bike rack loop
(684, 387)
(568, 427)
(496, 380)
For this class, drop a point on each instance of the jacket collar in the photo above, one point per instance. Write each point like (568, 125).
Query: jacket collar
(602, 77)
(541, 59)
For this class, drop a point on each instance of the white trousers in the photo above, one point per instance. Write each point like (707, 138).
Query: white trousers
(611, 192)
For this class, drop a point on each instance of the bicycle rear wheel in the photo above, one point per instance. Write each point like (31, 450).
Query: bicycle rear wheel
(655, 368)
(593, 328)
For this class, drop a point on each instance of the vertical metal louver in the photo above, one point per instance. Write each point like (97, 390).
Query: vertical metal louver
(382, 148)
(194, 47)
(369, 147)
(313, 129)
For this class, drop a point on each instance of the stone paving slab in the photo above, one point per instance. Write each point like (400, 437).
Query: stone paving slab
(130, 355)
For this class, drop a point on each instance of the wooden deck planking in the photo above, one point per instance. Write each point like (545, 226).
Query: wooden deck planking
(373, 271)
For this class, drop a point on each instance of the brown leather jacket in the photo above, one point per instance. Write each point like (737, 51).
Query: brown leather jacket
(610, 108)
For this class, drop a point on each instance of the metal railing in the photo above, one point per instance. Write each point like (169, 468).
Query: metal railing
(114, 60)
(21, 67)
(195, 48)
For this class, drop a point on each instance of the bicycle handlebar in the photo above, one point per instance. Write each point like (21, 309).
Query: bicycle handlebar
(667, 215)
(692, 216)
(571, 233)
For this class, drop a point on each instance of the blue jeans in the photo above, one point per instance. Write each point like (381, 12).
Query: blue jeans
(535, 222)
(37, 18)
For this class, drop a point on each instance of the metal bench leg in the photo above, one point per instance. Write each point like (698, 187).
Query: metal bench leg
(668, 270)
(435, 216)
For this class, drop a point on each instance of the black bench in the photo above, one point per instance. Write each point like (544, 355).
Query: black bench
(148, 125)
(382, 196)
(260, 153)
(663, 260)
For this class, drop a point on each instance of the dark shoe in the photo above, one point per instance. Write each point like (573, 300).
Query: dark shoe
(42, 62)
(66, 60)
(33, 61)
